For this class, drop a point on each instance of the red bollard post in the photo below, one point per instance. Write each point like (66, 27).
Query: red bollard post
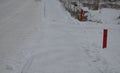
(105, 35)
(81, 15)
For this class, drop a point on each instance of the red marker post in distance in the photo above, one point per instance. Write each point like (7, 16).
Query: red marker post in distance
(105, 35)
(81, 15)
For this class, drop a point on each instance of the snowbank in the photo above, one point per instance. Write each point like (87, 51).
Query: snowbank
(105, 16)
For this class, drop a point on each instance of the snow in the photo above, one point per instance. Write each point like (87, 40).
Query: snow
(40, 36)
(105, 16)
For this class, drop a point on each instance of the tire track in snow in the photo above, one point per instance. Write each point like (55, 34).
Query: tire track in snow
(27, 65)
(53, 54)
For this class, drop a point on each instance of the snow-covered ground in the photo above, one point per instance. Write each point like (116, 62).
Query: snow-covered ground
(105, 16)
(39, 36)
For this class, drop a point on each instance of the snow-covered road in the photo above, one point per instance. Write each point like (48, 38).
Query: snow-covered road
(18, 22)
(39, 36)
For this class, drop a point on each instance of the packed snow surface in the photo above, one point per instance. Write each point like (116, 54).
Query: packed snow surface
(40, 36)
